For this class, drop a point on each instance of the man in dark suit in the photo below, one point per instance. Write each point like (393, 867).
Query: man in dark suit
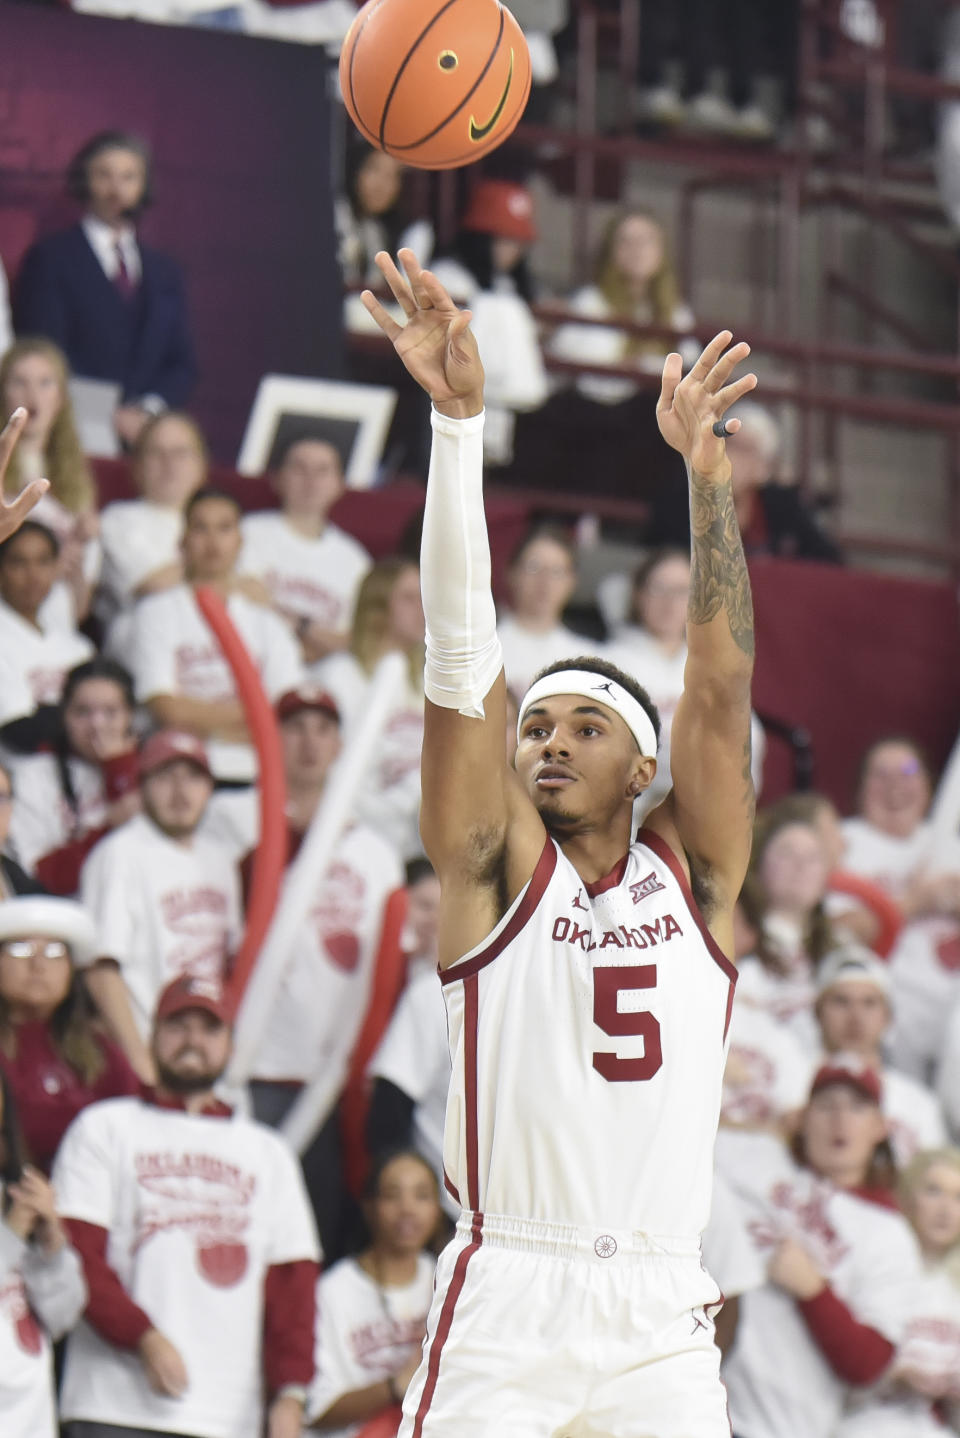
(115, 307)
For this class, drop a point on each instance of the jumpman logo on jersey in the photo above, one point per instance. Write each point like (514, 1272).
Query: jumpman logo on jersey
(578, 902)
(699, 1322)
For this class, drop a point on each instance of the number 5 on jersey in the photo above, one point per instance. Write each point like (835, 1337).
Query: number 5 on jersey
(608, 984)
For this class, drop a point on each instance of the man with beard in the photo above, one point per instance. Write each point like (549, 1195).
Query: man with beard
(114, 306)
(165, 900)
(198, 1247)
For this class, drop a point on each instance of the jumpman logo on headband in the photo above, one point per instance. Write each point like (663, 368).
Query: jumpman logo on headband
(608, 687)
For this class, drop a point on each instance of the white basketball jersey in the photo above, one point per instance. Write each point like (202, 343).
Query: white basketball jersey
(588, 1037)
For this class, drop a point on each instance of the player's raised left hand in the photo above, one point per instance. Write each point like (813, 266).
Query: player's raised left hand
(13, 514)
(690, 405)
(436, 343)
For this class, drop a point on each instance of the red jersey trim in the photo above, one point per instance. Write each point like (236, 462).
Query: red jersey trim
(542, 874)
(664, 852)
(611, 880)
(881, 1197)
(214, 1108)
(444, 1323)
(470, 1026)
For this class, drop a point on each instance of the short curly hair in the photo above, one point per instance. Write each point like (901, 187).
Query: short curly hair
(595, 665)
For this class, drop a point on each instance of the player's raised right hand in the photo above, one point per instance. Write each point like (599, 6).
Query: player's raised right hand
(435, 343)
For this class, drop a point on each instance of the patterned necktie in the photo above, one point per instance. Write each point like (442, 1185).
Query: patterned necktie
(122, 278)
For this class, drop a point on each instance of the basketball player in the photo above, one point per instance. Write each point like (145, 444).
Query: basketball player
(587, 978)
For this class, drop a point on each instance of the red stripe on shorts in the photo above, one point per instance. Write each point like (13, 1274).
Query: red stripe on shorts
(446, 1319)
(471, 1019)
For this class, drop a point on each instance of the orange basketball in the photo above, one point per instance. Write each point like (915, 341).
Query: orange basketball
(435, 83)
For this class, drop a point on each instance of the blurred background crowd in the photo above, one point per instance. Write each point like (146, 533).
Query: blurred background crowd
(219, 1231)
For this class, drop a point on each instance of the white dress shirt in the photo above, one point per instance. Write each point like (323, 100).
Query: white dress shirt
(104, 240)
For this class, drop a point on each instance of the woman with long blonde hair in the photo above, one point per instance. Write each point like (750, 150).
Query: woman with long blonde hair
(634, 279)
(34, 375)
(603, 435)
(388, 618)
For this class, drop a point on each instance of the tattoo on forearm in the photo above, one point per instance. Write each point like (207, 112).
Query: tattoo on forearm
(718, 578)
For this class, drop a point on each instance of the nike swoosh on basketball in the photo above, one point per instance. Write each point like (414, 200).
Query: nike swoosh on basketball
(479, 132)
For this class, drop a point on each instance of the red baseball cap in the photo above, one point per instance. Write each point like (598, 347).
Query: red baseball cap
(168, 745)
(841, 1069)
(306, 696)
(191, 992)
(501, 208)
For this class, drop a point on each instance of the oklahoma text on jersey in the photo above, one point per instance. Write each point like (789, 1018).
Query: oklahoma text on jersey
(587, 1033)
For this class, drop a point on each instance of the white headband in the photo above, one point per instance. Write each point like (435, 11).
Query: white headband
(602, 691)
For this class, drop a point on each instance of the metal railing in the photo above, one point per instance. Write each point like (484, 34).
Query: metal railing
(789, 183)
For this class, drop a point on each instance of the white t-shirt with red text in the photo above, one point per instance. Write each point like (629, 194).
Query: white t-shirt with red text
(162, 908)
(365, 1333)
(930, 1346)
(768, 1070)
(197, 1208)
(43, 656)
(41, 1296)
(177, 653)
(26, 1366)
(778, 1379)
(42, 819)
(324, 990)
(315, 579)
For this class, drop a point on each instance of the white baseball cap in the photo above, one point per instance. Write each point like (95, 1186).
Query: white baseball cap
(853, 963)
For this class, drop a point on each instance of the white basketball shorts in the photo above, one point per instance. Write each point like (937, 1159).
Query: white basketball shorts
(547, 1331)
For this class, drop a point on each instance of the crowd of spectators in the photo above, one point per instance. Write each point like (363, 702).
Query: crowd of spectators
(153, 1210)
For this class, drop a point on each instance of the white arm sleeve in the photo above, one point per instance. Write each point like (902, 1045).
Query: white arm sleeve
(463, 651)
